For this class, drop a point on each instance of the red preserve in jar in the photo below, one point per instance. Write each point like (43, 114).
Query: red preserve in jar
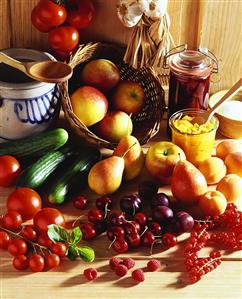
(189, 80)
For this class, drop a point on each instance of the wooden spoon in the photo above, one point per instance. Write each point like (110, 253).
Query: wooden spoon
(205, 117)
(45, 71)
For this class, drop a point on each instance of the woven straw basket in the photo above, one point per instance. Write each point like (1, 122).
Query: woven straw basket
(145, 124)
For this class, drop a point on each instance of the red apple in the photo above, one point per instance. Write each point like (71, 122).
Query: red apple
(129, 97)
(114, 126)
(89, 105)
(100, 73)
(161, 159)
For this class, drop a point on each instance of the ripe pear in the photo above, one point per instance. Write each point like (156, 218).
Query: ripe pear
(105, 176)
(187, 182)
(133, 159)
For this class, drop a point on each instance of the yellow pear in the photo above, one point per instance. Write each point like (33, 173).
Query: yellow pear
(133, 159)
(105, 176)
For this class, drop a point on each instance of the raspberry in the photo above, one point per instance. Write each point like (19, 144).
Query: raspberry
(90, 273)
(128, 262)
(138, 275)
(121, 270)
(153, 265)
(114, 262)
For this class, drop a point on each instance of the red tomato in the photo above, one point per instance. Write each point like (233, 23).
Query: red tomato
(20, 262)
(59, 248)
(12, 220)
(4, 240)
(83, 16)
(52, 260)
(9, 170)
(46, 217)
(63, 38)
(44, 240)
(25, 201)
(17, 247)
(36, 262)
(29, 232)
(37, 23)
(50, 13)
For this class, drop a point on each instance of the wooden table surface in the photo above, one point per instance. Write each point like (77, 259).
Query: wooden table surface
(171, 281)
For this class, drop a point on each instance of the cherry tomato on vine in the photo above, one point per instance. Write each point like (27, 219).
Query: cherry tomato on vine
(4, 240)
(36, 262)
(12, 220)
(20, 262)
(83, 15)
(29, 232)
(25, 201)
(9, 170)
(17, 247)
(52, 260)
(44, 240)
(46, 217)
(37, 23)
(64, 38)
(59, 248)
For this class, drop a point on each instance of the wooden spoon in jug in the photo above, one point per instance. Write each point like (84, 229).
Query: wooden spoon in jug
(45, 71)
(205, 117)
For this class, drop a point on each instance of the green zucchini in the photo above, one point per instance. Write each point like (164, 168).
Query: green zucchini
(74, 178)
(37, 173)
(36, 145)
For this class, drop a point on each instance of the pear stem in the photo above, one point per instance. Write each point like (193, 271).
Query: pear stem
(129, 149)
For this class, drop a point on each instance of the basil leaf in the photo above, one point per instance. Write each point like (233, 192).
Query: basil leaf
(57, 233)
(86, 253)
(72, 252)
(76, 235)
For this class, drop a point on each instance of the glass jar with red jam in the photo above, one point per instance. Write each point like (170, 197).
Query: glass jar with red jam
(189, 80)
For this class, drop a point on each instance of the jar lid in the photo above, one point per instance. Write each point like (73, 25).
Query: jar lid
(191, 63)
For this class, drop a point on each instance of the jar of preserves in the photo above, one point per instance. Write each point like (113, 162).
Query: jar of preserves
(189, 81)
(197, 141)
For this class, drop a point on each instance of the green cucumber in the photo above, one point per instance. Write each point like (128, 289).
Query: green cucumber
(35, 145)
(74, 178)
(37, 173)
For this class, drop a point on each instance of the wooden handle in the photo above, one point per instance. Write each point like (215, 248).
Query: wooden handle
(228, 95)
(12, 62)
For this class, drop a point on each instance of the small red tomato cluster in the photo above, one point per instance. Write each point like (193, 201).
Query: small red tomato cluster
(30, 245)
(62, 22)
(228, 236)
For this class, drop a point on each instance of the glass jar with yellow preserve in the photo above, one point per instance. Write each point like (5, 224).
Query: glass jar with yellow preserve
(197, 141)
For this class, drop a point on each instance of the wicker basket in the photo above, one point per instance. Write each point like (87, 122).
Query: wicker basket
(146, 124)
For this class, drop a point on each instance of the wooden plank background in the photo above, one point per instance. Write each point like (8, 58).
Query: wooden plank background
(215, 24)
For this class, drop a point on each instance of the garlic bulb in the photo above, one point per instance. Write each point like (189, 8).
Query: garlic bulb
(129, 12)
(157, 8)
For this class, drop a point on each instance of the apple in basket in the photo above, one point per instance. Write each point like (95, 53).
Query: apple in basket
(114, 126)
(89, 104)
(100, 73)
(128, 96)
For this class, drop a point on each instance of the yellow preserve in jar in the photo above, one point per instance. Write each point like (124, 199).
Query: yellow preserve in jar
(197, 141)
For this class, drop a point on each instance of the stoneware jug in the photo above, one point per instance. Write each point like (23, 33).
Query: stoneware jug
(26, 106)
